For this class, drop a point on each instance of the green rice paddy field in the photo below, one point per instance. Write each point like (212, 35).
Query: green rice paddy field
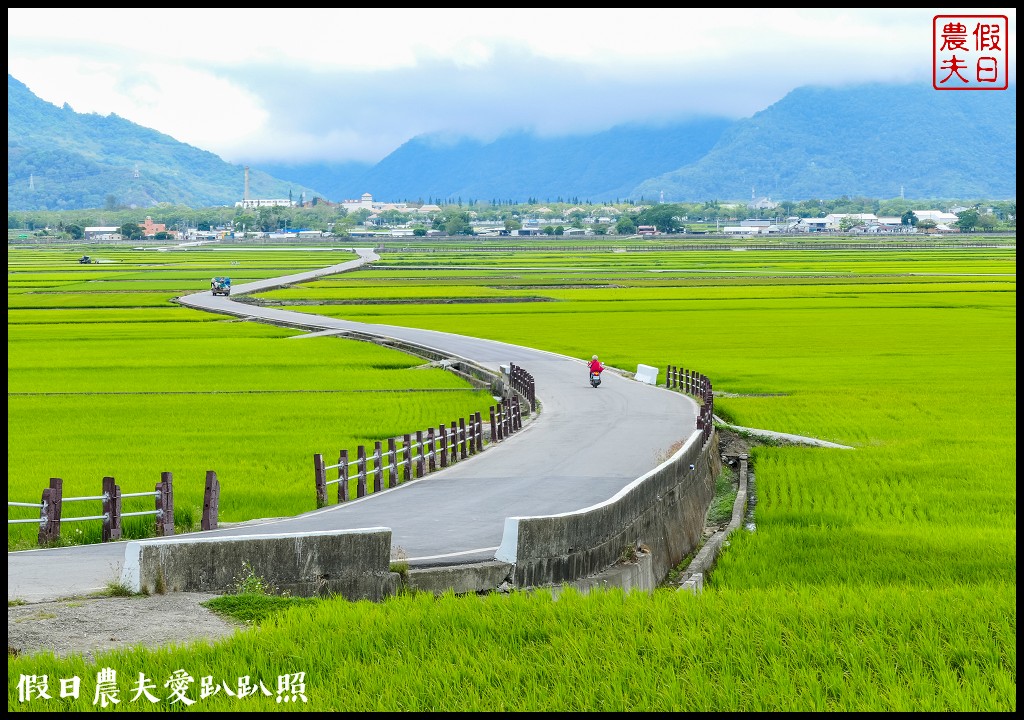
(881, 578)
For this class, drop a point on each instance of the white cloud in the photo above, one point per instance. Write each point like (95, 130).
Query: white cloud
(303, 84)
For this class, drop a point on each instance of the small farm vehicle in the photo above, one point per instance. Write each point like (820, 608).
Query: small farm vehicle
(220, 285)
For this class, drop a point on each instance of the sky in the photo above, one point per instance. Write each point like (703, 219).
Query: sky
(302, 85)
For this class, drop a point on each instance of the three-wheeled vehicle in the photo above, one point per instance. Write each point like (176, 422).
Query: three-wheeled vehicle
(220, 285)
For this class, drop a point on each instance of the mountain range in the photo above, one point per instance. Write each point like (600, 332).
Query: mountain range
(871, 140)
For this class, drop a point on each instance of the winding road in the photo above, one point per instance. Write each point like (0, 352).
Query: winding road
(584, 447)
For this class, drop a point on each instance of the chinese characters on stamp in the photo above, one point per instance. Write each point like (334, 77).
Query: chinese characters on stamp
(970, 52)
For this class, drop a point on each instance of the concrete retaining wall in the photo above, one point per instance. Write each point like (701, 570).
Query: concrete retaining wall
(352, 563)
(631, 540)
(662, 513)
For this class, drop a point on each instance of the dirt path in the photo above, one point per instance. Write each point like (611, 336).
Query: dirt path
(87, 626)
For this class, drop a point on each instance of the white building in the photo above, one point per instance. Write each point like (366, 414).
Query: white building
(250, 204)
(366, 202)
(936, 216)
(102, 233)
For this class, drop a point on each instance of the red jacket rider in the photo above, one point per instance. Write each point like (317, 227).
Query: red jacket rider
(595, 365)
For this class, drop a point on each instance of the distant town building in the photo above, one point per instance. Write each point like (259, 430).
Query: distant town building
(764, 203)
(936, 216)
(150, 228)
(248, 203)
(102, 233)
(366, 202)
(261, 202)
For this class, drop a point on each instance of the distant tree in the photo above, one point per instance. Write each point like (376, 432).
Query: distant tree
(76, 232)
(909, 218)
(513, 224)
(625, 225)
(664, 217)
(967, 220)
(358, 217)
(163, 235)
(393, 217)
(419, 232)
(454, 222)
(131, 231)
(987, 222)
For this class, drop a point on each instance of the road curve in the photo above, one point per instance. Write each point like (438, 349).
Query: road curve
(583, 448)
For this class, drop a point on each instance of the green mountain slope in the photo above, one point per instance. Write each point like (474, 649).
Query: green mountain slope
(58, 159)
(598, 166)
(869, 141)
(816, 143)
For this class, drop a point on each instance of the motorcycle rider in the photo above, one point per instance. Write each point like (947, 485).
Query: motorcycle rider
(596, 366)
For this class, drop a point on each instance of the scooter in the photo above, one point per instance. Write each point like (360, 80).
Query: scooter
(595, 379)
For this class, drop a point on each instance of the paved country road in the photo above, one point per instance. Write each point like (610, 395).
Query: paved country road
(583, 448)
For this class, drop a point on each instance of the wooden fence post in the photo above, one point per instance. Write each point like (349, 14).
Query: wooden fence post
(453, 445)
(169, 505)
(479, 433)
(211, 501)
(44, 518)
(494, 426)
(419, 454)
(343, 490)
(111, 510)
(462, 438)
(407, 468)
(361, 471)
(165, 505)
(506, 412)
(159, 523)
(442, 433)
(392, 464)
(431, 439)
(378, 467)
(320, 480)
(51, 511)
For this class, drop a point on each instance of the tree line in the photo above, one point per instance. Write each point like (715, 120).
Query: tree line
(457, 218)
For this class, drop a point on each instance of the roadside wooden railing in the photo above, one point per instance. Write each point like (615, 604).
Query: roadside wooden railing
(693, 383)
(421, 453)
(522, 382)
(51, 508)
